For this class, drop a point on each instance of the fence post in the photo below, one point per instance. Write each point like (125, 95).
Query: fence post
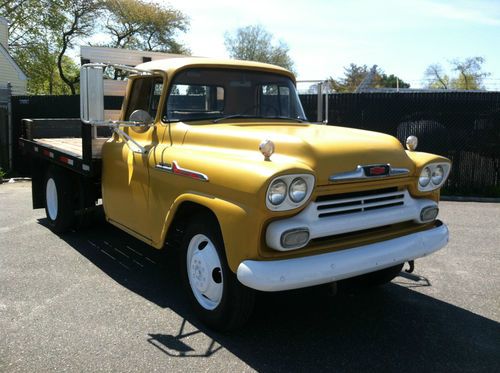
(319, 118)
(327, 90)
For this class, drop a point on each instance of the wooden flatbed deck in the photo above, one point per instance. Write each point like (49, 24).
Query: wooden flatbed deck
(73, 146)
(66, 142)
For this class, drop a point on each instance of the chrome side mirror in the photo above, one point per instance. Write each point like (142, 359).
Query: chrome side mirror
(91, 93)
(141, 116)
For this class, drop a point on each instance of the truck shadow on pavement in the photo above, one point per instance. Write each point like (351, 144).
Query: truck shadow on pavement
(389, 328)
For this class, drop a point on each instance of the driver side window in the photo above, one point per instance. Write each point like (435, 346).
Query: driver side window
(145, 95)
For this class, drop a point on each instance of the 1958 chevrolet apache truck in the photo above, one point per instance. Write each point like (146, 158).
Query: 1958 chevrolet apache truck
(217, 156)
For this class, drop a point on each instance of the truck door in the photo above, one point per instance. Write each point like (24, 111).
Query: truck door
(125, 179)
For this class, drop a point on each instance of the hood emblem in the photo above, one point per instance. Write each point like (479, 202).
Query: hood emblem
(377, 170)
(369, 171)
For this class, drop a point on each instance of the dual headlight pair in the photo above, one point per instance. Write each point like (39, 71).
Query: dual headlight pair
(433, 176)
(289, 191)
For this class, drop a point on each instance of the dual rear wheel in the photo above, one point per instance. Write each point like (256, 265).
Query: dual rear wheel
(69, 200)
(59, 201)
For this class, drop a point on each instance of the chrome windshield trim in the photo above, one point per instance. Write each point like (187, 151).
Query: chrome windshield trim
(175, 169)
(360, 174)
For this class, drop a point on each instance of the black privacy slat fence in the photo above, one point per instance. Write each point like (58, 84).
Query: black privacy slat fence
(463, 126)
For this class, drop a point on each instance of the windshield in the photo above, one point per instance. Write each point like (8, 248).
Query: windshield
(198, 94)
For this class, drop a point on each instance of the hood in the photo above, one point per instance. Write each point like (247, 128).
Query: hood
(326, 150)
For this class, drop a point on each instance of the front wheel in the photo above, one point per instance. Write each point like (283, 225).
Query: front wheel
(217, 296)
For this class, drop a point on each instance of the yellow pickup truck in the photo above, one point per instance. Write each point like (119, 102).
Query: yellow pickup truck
(218, 156)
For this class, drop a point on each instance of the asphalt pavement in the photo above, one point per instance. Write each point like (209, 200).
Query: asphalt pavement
(99, 300)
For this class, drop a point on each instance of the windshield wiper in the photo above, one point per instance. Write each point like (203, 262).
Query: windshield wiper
(298, 119)
(235, 116)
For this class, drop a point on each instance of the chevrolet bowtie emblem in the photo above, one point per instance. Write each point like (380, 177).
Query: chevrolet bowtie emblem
(376, 170)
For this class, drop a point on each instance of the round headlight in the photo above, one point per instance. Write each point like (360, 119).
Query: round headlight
(437, 175)
(411, 142)
(298, 190)
(425, 177)
(277, 192)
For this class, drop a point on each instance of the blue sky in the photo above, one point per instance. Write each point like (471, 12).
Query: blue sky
(402, 37)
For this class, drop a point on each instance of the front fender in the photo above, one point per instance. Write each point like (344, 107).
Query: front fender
(421, 159)
(240, 231)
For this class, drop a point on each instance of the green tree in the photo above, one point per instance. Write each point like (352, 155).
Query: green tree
(76, 21)
(40, 34)
(469, 74)
(355, 74)
(137, 24)
(255, 43)
(44, 77)
(437, 79)
(391, 81)
(24, 18)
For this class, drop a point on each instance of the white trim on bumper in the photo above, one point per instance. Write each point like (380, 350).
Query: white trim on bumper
(286, 274)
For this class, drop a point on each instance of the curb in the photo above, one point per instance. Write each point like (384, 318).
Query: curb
(15, 180)
(470, 199)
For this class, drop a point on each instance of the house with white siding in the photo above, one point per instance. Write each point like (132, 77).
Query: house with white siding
(10, 72)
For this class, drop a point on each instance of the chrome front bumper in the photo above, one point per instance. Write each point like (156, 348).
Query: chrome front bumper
(277, 275)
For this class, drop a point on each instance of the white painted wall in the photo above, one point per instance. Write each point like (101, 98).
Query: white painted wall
(9, 71)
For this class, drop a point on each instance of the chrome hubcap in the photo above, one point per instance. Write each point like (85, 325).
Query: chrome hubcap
(204, 272)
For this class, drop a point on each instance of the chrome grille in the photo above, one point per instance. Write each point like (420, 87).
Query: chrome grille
(352, 203)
